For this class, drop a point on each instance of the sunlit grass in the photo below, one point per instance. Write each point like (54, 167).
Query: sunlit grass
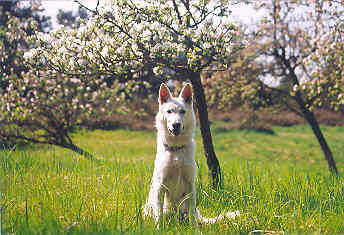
(278, 182)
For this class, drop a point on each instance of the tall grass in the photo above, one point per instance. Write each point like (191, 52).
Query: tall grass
(279, 183)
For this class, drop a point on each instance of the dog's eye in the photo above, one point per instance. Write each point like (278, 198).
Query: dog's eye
(169, 111)
(182, 111)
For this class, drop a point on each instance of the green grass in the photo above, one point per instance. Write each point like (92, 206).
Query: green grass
(278, 182)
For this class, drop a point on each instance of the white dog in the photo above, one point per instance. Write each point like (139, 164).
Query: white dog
(174, 176)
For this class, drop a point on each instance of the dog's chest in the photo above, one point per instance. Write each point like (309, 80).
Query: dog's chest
(180, 159)
(180, 168)
(180, 175)
(177, 160)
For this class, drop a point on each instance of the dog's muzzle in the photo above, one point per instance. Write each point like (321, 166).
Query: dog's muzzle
(176, 129)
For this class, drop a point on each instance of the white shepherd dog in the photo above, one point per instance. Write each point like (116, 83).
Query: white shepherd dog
(174, 176)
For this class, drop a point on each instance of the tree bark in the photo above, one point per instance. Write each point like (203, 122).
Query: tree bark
(309, 116)
(312, 121)
(78, 150)
(212, 161)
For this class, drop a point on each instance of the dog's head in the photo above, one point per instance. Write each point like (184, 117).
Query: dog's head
(175, 109)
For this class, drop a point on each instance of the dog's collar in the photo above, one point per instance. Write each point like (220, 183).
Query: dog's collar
(174, 148)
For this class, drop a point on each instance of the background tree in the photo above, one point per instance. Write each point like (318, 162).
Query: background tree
(287, 49)
(72, 18)
(17, 22)
(46, 103)
(329, 59)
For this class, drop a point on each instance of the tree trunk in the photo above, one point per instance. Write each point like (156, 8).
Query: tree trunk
(78, 150)
(312, 121)
(309, 116)
(212, 161)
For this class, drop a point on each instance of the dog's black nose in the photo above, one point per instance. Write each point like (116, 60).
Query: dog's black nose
(176, 126)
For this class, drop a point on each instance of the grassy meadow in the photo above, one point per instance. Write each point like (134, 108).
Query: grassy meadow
(279, 182)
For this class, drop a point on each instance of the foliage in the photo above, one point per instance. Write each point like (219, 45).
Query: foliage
(135, 41)
(16, 24)
(327, 83)
(289, 55)
(71, 18)
(46, 110)
(238, 86)
(329, 89)
(131, 39)
(49, 99)
(289, 51)
(278, 183)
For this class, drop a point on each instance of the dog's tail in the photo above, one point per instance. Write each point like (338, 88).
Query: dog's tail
(203, 220)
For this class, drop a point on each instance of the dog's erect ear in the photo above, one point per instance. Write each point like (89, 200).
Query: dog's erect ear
(164, 93)
(186, 93)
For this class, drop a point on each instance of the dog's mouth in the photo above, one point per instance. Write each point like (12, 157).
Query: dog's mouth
(174, 132)
(175, 129)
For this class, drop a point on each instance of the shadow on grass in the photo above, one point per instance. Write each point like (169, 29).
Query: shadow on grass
(259, 130)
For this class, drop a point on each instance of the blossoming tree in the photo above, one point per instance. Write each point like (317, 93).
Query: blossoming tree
(17, 23)
(296, 53)
(66, 80)
(186, 37)
(131, 38)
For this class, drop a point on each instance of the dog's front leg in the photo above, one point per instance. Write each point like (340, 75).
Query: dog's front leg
(188, 204)
(193, 208)
(154, 206)
(189, 200)
(192, 204)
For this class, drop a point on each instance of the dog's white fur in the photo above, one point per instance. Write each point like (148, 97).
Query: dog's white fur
(174, 176)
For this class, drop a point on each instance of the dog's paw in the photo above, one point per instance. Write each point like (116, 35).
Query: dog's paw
(232, 214)
(147, 211)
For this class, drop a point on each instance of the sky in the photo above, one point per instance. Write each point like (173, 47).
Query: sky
(51, 7)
